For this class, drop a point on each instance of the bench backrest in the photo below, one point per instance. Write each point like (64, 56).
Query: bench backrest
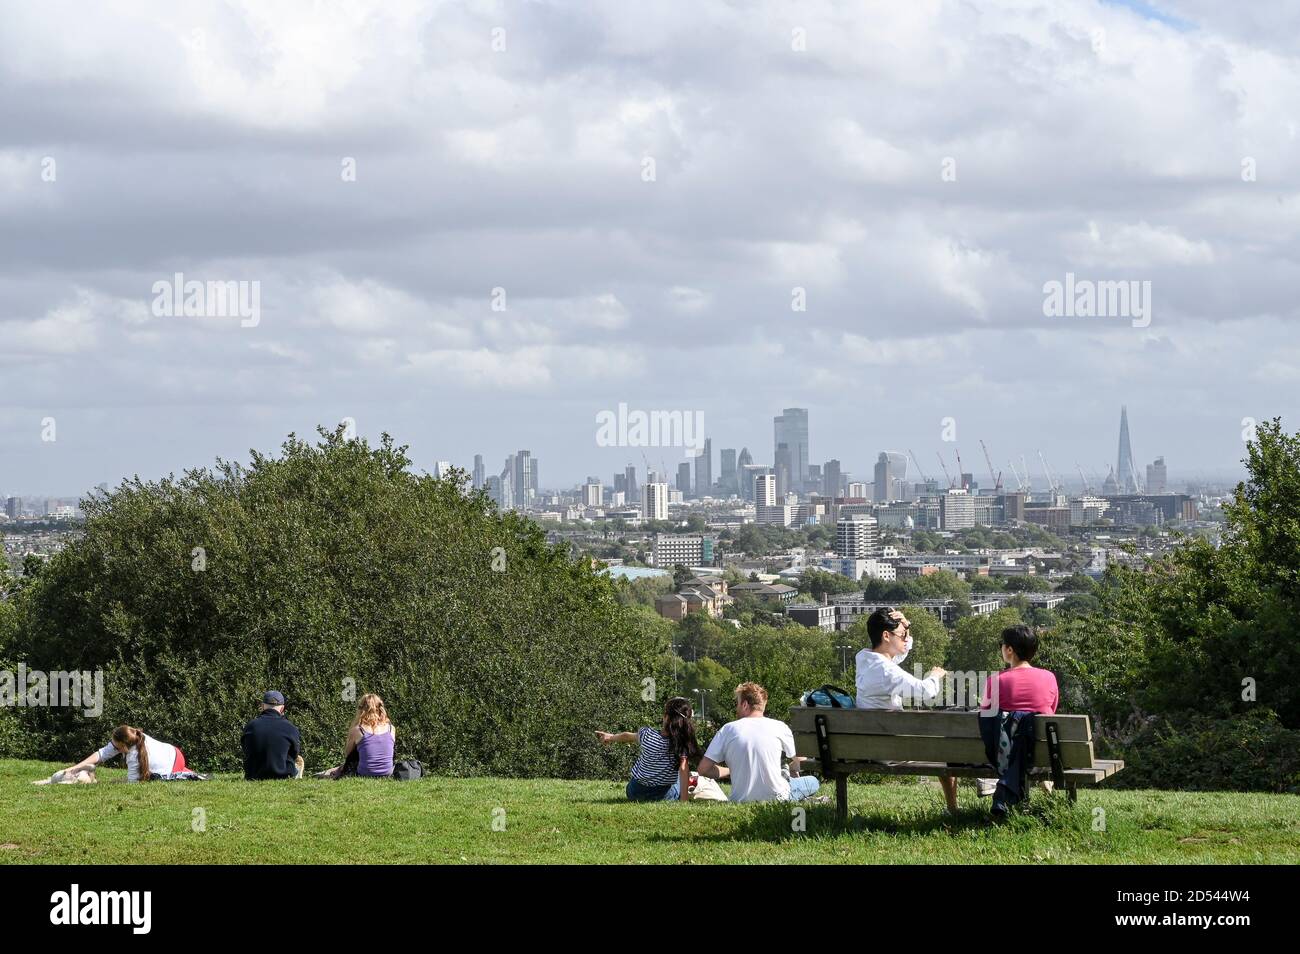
(923, 735)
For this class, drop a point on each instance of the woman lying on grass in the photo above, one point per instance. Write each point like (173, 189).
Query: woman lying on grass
(146, 758)
(368, 751)
(662, 771)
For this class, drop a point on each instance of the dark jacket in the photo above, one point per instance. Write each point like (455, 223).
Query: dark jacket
(1009, 739)
(271, 743)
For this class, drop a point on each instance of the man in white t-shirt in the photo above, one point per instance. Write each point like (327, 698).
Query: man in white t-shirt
(882, 683)
(750, 751)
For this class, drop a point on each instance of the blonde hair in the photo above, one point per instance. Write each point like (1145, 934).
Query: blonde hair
(752, 693)
(370, 712)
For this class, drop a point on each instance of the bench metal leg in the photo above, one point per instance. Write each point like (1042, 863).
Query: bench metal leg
(841, 799)
(1073, 792)
(1054, 754)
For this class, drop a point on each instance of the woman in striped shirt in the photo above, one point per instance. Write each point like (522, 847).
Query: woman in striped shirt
(662, 769)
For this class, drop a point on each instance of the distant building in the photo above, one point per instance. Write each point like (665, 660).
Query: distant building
(1157, 477)
(684, 548)
(765, 490)
(1087, 510)
(765, 592)
(1125, 475)
(706, 595)
(480, 473)
(956, 510)
(704, 470)
(857, 537)
(749, 474)
(783, 467)
(832, 479)
(858, 490)
(790, 428)
(592, 492)
(729, 480)
(654, 502)
(857, 569)
(814, 617)
(684, 478)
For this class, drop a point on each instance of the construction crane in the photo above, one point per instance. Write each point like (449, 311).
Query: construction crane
(960, 470)
(997, 481)
(947, 476)
(1047, 472)
(924, 478)
(1087, 487)
(1021, 482)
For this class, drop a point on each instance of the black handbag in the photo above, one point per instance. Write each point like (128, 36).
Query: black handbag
(408, 770)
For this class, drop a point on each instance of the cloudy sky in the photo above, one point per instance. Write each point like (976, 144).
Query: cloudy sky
(648, 185)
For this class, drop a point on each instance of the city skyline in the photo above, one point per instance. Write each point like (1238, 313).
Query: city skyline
(672, 208)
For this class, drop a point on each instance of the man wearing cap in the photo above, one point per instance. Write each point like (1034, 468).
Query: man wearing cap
(272, 746)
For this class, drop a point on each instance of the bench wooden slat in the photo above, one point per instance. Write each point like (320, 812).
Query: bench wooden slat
(1101, 770)
(922, 722)
(890, 748)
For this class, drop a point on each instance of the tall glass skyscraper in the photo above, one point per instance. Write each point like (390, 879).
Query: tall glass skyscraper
(790, 428)
(1125, 475)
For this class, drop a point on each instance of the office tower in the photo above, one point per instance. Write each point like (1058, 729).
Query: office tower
(765, 490)
(704, 470)
(857, 537)
(498, 489)
(790, 428)
(784, 470)
(884, 478)
(814, 484)
(592, 492)
(1157, 477)
(956, 510)
(831, 479)
(480, 473)
(535, 478)
(684, 477)
(629, 483)
(523, 488)
(858, 489)
(1013, 507)
(744, 459)
(1125, 475)
(655, 501)
(728, 481)
(652, 477)
(509, 483)
(620, 484)
(441, 468)
(748, 472)
(14, 507)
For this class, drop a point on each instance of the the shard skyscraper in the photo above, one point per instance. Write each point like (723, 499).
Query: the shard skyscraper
(1125, 475)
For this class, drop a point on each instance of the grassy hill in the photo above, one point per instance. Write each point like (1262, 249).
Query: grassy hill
(445, 820)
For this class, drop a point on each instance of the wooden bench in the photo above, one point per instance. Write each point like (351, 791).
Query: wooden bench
(844, 742)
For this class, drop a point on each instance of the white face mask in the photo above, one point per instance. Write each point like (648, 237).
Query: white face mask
(907, 648)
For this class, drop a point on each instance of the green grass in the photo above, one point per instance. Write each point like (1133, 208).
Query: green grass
(446, 820)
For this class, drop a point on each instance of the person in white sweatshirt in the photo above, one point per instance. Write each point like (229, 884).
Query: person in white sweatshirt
(884, 684)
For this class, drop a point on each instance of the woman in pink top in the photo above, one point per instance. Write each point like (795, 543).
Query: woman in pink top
(1021, 687)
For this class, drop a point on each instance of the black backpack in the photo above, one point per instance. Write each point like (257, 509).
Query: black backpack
(407, 770)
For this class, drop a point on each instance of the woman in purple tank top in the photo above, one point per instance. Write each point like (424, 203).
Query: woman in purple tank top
(369, 749)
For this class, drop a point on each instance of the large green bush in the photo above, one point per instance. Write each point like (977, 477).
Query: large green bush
(329, 570)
